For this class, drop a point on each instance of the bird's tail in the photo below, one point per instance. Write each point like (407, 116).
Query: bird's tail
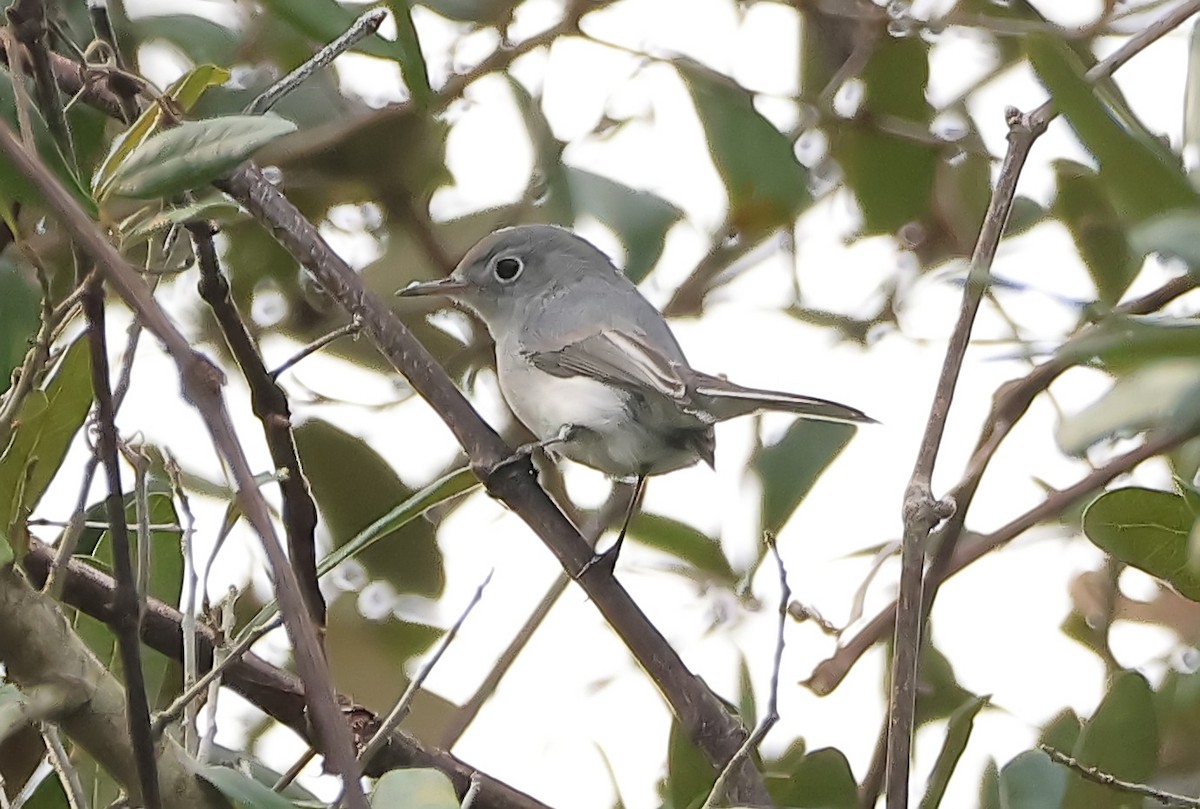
(726, 400)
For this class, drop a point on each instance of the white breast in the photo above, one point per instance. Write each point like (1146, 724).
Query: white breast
(545, 403)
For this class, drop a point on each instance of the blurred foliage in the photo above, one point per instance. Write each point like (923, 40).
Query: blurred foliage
(863, 130)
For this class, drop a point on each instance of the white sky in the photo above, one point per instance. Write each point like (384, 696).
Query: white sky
(575, 693)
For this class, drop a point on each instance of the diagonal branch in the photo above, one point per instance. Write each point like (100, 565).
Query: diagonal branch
(716, 733)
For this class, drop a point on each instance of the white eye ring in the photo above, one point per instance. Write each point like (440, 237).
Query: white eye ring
(507, 269)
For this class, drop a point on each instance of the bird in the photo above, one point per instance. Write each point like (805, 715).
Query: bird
(591, 368)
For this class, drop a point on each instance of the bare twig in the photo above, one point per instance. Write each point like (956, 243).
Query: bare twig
(351, 328)
(366, 24)
(201, 384)
(771, 715)
(188, 625)
(1119, 785)
(610, 510)
(270, 406)
(830, 672)
(68, 775)
(400, 710)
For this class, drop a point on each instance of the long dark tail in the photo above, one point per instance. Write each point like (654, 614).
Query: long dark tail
(726, 400)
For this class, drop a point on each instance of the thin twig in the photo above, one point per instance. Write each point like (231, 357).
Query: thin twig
(68, 775)
(228, 621)
(351, 328)
(367, 24)
(609, 511)
(397, 714)
(188, 608)
(293, 772)
(1117, 784)
(771, 716)
(227, 658)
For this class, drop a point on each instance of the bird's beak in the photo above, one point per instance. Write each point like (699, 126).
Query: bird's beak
(446, 288)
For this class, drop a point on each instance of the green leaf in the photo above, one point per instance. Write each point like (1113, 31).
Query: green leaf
(1120, 739)
(1127, 343)
(357, 492)
(193, 154)
(185, 91)
(989, 786)
(821, 779)
(408, 47)
(214, 209)
(46, 424)
(325, 20)
(14, 188)
(201, 39)
(689, 776)
(440, 491)
(241, 790)
(1142, 175)
(418, 788)
(12, 709)
(685, 542)
(1165, 394)
(1097, 229)
(1147, 529)
(49, 794)
(958, 733)
(19, 309)
(1171, 234)
(640, 219)
(767, 186)
(1032, 781)
(892, 176)
(790, 467)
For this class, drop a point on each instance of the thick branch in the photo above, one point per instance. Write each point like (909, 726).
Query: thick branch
(41, 652)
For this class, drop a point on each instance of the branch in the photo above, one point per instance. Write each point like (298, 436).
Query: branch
(41, 652)
(1117, 784)
(278, 693)
(270, 406)
(201, 382)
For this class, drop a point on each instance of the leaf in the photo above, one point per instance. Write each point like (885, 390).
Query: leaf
(325, 20)
(640, 219)
(821, 779)
(1165, 393)
(12, 709)
(201, 39)
(185, 91)
(689, 776)
(790, 467)
(1142, 175)
(14, 188)
(1172, 234)
(766, 184)
(215, 209)
(958, 733)
(241, 790)
(1097, 229)
(891, 176)
(1127, 343)
(18, 318)
(43, 430)
(193, 154)
(1147, 529)
(1120, 739)
(357, 491)
(1032, 781)
(684, 542)
(442, 490)
(408, 53)
(418, 788)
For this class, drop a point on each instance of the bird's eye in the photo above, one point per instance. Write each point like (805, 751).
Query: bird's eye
(507, 269)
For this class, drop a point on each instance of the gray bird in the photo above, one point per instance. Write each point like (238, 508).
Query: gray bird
(591, 367)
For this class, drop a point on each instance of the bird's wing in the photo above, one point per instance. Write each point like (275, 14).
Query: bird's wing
(615, 357)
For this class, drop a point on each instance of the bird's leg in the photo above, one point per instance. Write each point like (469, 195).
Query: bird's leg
(609, 557)
(565, 433)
